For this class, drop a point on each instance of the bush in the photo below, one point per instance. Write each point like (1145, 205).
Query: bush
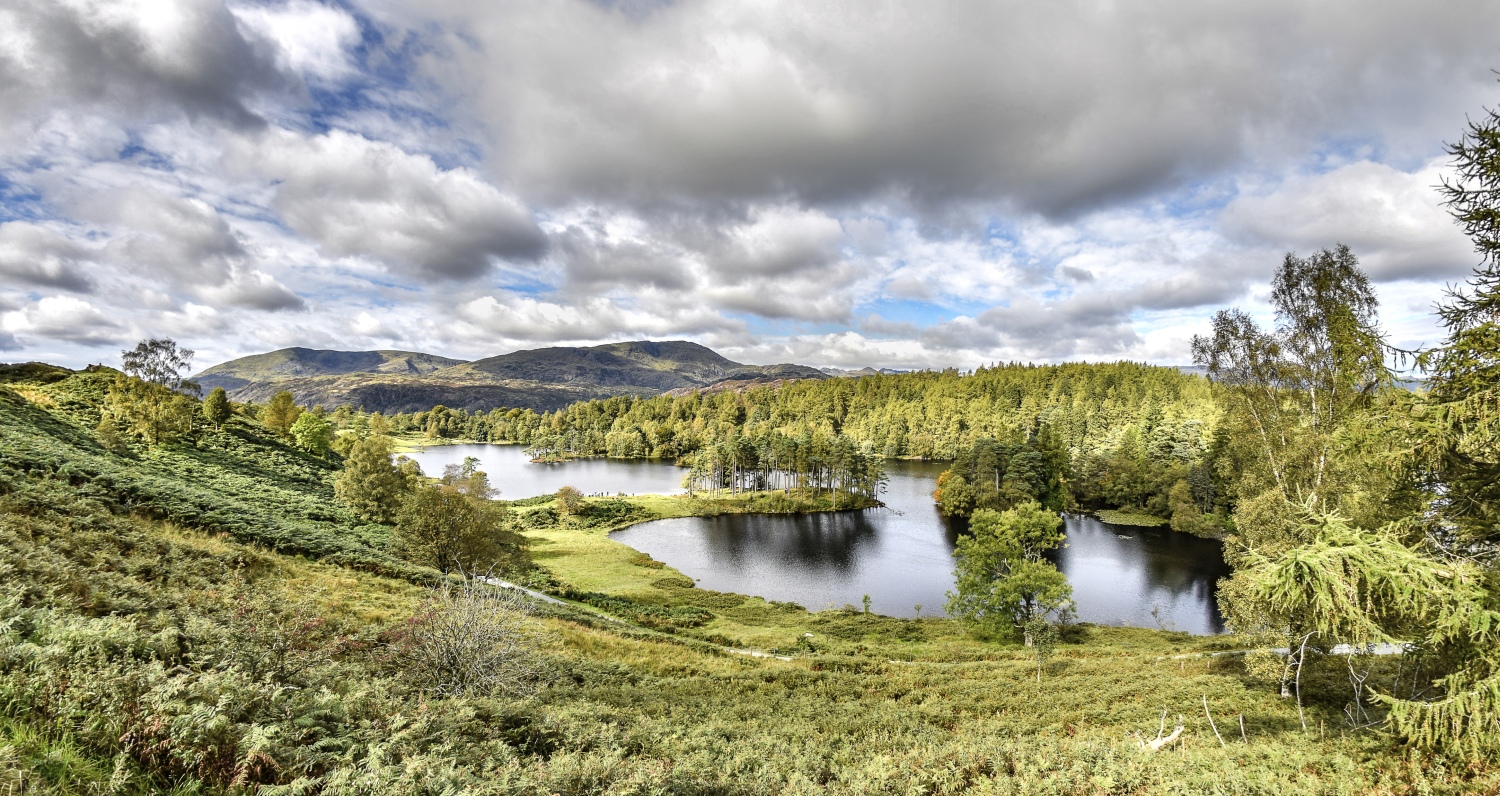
(474, 640)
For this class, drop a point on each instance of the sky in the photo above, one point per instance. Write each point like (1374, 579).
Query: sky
(931, 183)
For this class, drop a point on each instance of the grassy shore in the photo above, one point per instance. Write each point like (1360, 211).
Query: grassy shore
(1135, 518)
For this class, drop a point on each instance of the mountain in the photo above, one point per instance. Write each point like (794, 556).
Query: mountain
(541, 379)
(241, 377)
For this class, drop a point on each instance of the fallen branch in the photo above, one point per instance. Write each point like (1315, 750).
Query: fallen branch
(1157, 744)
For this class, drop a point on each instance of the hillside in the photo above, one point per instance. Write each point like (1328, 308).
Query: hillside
(203, 618)
(543, 379)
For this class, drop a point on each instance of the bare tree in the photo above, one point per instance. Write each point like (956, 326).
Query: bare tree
(473, 639)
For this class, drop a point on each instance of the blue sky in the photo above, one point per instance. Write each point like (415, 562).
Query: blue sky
(891, 184)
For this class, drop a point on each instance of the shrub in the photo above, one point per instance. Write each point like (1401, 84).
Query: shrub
(472, 639)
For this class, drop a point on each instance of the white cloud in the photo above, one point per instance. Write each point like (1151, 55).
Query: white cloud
(312, 39)
(62, 318)
(43, 256)
(358, 197)
(1393, 220)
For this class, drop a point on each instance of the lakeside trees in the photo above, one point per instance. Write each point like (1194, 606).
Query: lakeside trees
(777, 462)
(372, 484)
(453, 524)
(1003, 585)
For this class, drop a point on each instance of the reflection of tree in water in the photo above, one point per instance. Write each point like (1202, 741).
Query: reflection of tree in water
(1183, 564)
(1175, 572)
(824, 541)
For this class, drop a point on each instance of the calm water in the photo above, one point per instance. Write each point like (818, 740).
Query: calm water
(902, 555)
(512, 472)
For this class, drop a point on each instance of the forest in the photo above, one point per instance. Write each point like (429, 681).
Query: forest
(199, 596)
(1119, 435)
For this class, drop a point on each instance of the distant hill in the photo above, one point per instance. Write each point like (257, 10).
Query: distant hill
(865, 371)
(540, 379)
(240, 377)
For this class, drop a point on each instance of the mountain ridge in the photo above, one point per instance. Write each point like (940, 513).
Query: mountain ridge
(541, 378)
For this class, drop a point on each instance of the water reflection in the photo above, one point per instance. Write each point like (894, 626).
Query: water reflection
(902, 555)
(809, 542)
(1144, 577)
(512, 471)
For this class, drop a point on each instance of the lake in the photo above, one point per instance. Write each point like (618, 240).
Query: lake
(513, 473)
(901, 555)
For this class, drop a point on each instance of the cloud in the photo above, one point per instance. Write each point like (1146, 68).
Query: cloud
(33, 254)
(367, 325)
(1393, 220)
(939, 184)
(63, 318)
(358, 197)
(254, 290)
(149, 60)
(311, 39)
(522, 318)
(1051, 108)
(182, 239)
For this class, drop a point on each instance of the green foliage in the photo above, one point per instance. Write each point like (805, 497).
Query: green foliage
(1188, 515)
(312, 433)
(441, 528)
(371, 484)
(1001, 579)
(659, 617)
(991, 475)
(216, 408)
(455, 526)
(241, 482)
(1133, 518)
(140, 657)
(1352, 586)
(570, 501)
(1293, 391)
(928, 414)
(776, 462)
(151, 412)
(1042, 636)
(281, 413)
(1461, 432)
(159, 361)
